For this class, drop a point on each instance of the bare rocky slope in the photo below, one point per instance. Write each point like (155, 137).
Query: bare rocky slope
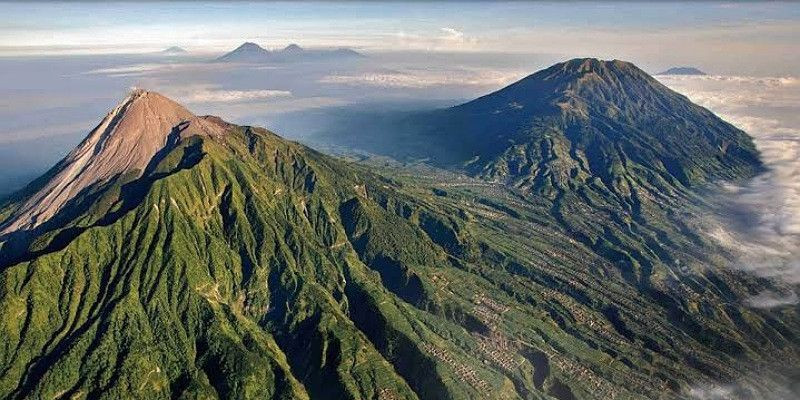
(124, 143)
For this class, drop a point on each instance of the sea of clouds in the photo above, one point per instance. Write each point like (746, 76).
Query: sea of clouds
(427, 77)
(760, 220)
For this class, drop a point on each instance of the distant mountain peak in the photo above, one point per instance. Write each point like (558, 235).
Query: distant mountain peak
(249, 46)
(293, 48)
(682, 71)
(125, 141)
(251, 52)
(247, 51)
(348, 52)
(174, 50)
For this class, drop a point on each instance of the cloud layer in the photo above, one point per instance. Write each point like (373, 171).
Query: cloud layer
(425, 78)
(157, 68)
(205, 93)
(761, 218)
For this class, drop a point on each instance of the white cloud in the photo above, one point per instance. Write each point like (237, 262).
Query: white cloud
(762, 223)
(417, 78)
(746, 388)
(729, 94)
(149, 69)
(454, 35)
(770, 299)
(712, 392)
(205, 93)
(130, 70)
(446, 39)
(229, 96)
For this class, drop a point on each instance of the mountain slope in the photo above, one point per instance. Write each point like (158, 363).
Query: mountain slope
(194, 242)
(595, 118)
(241, 265)
(601, 146)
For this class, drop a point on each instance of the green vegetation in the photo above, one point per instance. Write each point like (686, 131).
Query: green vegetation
(247, 266)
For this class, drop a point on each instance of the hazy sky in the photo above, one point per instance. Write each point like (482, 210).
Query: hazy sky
(732, 37)
(64, 65)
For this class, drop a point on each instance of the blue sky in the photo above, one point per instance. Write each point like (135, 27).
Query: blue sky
(695, 30)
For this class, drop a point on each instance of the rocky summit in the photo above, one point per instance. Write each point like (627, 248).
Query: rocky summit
(123, 144)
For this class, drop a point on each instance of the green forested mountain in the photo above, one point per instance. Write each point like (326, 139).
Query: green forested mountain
(236, 264)
(604, 119)
(574, 120)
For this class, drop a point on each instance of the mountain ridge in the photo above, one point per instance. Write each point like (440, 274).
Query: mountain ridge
(252, 52)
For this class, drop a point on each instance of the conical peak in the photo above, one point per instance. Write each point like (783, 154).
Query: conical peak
(174, 49)
(575, 86)
(150, 104)
(142, 121)
(293, 48)
(250, 46)
(146, 119)
(125, 142)
(153, 113)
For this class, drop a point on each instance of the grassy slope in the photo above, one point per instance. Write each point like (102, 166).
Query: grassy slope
(251, 267)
